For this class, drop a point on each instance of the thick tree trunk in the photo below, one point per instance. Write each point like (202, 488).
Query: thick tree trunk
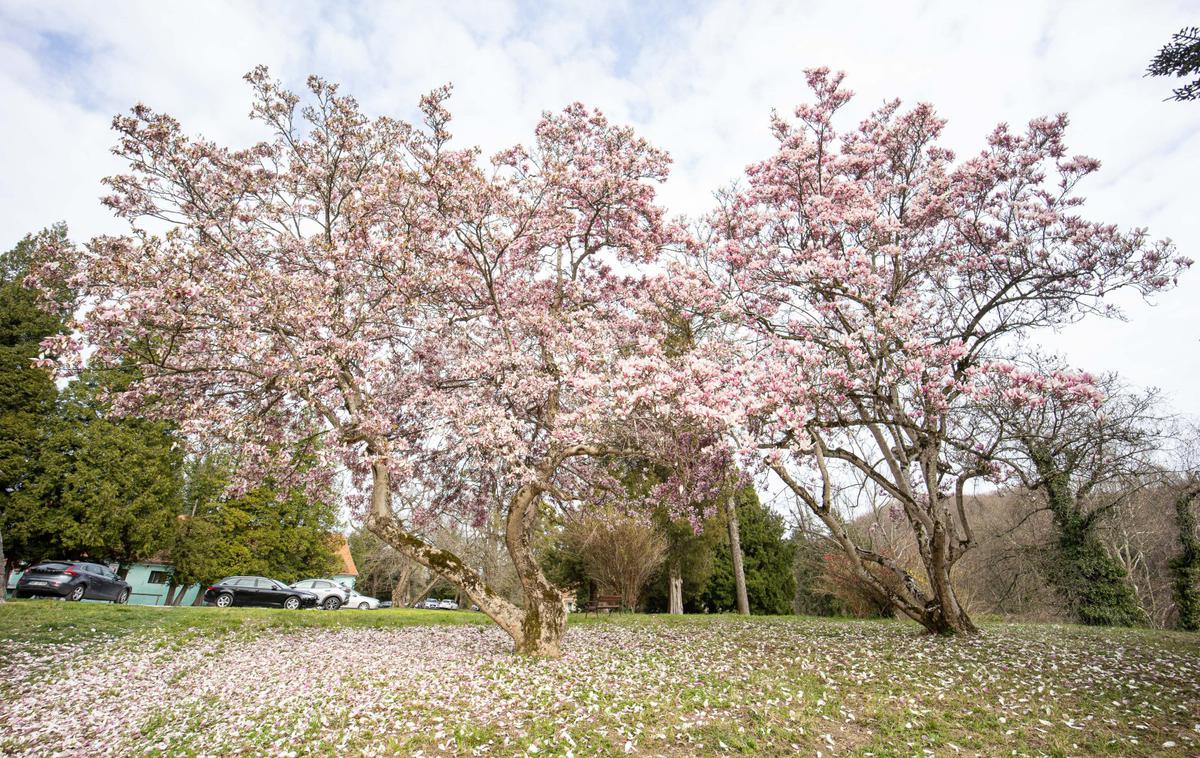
(675, 590)
(545, 611)
(938, 610)
(172, 588)
(537, 628)
(735, 549)
(400, 590)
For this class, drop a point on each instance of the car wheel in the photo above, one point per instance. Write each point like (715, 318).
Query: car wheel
(292, 603)
(77, 593)
(363, 606)
(225, 600)
(123, 598)
(332, 603)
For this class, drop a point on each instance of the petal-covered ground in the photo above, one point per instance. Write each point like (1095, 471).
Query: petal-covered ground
(645, 685)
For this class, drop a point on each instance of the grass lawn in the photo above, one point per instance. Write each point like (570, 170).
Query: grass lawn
(87, 679)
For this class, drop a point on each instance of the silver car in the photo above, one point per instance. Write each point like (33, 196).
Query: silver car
(361, 602)
(330, 594)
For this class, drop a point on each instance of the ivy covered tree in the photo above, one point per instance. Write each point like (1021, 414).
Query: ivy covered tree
(1081, 461)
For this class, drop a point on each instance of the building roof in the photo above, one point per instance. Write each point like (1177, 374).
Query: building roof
(342, 550)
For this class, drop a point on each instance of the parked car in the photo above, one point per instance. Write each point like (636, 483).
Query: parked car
(330, 594)
(386, 604)
(73, 580)
(258, 590)
(362, 602)
(448, 605)
(430, 602)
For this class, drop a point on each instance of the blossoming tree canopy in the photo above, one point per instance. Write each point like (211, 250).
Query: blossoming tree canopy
(450, 331)
(878, 282)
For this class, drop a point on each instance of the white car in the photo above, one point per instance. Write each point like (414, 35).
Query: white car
(331, 595)
(448, 605)
(361, 602)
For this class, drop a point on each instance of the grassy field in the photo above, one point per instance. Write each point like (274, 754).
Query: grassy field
(86, 679)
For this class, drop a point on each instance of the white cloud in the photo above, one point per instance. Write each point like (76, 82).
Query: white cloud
(698, 80)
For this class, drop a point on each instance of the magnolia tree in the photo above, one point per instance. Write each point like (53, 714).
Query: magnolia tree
(355, 295)
(878, 287)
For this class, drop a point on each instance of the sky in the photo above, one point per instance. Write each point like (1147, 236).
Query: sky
(698, 79)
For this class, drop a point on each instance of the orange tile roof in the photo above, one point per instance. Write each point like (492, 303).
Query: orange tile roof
(343, 553)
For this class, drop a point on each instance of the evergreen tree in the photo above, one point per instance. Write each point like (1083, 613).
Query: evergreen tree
(27, 408)
(286, 536)
(115, 483)
(769, 557)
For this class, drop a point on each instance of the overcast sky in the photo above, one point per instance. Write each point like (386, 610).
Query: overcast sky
(698, 79)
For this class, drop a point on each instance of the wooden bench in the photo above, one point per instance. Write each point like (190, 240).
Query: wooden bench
(606, 603)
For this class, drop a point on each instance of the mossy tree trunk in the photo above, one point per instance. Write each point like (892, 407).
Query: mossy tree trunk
(538, 625)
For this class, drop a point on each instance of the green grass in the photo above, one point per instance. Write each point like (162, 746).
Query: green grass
(442, 682)
(52, 621)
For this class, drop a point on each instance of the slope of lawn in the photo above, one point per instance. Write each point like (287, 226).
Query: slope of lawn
(239, 681)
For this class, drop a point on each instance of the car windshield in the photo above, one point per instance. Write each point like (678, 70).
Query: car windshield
(53, 566)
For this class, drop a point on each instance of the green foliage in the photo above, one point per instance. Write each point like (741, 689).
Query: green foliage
(1094, 585)
(813, 598)
(116, 482)
(1185, 565)
(282, 535)
(693, 553)
(768, 562)
(27, 408)
(560, 563)
(73, 481)
(1180, 58)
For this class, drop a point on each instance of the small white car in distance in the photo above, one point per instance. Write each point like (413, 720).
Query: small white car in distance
(448, 605)
(361, 602)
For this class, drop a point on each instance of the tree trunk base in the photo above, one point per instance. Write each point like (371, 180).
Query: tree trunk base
(946, 627)
(542, 630)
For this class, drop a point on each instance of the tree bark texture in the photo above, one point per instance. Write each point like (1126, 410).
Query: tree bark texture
(735, 549)
(675, 587)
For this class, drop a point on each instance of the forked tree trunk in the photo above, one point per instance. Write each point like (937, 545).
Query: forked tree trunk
(937, 609)
(544, 617)
(537, 628)
(735, 549)
(400, 590)
(172, 588)
(675, 590)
